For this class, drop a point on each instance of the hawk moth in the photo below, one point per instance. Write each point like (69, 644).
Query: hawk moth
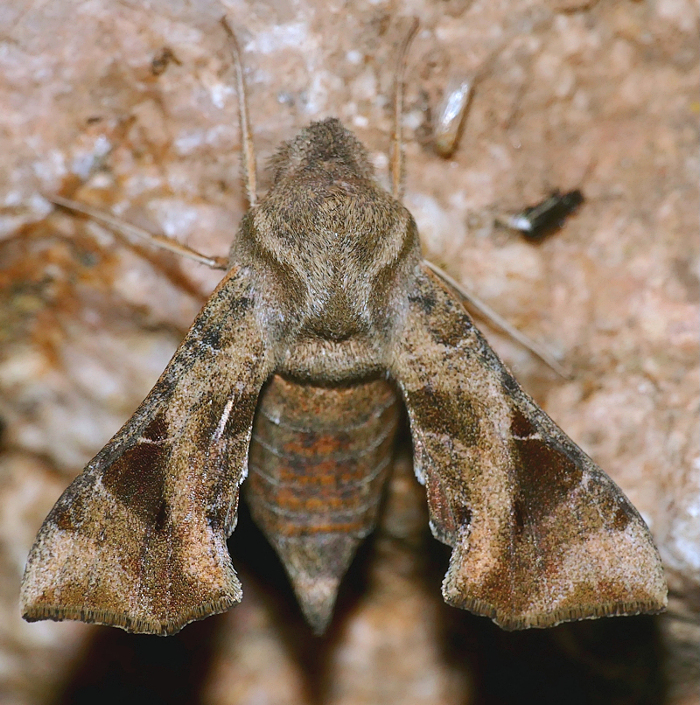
(327, 319)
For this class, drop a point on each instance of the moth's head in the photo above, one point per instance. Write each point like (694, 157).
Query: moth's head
(337, 242)
(322, 145)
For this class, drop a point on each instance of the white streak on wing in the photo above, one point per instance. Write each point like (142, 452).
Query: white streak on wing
(223, 420)
(531, 437)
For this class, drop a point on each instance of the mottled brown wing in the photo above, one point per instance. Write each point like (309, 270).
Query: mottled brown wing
(138, 540)
(540, 534)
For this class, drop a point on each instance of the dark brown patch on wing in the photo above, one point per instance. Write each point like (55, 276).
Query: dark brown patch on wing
(445, 331)
(463, 516)
(622, 517)
(137, 477)
(520, 427)
(161, 517)
(238, 421)
(545, 475)
(445, 414)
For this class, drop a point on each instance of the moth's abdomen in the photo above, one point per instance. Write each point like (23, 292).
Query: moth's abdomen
(319, 457)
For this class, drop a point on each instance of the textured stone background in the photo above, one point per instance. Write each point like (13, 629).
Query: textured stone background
(130, 106)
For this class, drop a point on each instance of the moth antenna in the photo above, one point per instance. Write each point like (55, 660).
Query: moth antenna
(500, 322)
(249, 167)
(397, 166)
(127, 229)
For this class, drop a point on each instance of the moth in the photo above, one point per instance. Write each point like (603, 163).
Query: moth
(538, 221)
(287, 387)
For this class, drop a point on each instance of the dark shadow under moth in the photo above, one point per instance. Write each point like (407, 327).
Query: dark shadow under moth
(326, 320)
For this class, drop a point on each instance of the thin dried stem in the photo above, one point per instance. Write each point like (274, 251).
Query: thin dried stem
(248, 155)
(500, 322)
(397, 166)
(127, 229)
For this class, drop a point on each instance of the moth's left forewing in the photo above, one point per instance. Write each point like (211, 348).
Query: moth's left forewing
(138, 540)
(540, 534)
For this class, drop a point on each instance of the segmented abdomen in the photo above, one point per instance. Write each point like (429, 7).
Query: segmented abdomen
(319, 457)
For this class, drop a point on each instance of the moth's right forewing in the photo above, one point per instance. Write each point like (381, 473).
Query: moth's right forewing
(540, 534)
(138, 540)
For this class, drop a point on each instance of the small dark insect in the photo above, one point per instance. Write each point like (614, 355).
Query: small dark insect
(536, 222)
(291, 375)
